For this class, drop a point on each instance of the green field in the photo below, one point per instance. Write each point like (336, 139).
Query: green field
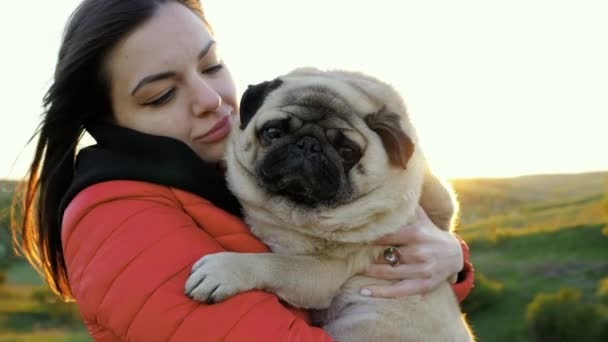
(23, 317)
(533, 234)
(576, 257)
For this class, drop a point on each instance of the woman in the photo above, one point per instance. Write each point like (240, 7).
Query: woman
(119, 229)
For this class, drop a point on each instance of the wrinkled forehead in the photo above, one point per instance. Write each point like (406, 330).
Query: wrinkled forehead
(318, 99)
(171, 40)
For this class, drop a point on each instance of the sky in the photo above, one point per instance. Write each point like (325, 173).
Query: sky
(494, 88)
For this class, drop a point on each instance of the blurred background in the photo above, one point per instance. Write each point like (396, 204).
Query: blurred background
(509, 99)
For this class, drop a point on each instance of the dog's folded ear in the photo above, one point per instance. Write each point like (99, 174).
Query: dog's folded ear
(399, 147)
(254, 97)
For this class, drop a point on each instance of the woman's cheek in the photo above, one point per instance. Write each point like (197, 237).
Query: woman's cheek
(226, 88)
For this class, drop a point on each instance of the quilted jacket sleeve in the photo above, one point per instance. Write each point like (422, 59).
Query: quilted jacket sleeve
(464, 284)
(129, 247)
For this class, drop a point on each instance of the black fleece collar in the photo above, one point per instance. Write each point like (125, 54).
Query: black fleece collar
(125, 154)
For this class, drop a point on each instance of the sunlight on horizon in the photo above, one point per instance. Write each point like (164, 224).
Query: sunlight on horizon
(494, 88)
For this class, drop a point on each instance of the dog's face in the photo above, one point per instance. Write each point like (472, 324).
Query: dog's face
(320, 139)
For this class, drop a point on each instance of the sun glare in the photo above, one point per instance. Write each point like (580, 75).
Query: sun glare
(494, 88)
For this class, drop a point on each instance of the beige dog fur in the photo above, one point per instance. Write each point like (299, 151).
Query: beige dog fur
(319, 252)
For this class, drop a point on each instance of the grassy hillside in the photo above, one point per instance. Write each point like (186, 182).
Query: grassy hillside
(7, 189)
(29, 312)
(531, 234)
(25, 316)
(483, 198)
(576, 257)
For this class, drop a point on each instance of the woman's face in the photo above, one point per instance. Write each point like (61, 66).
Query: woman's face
(167, 78)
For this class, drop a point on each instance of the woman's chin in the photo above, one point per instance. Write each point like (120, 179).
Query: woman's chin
(212, 153)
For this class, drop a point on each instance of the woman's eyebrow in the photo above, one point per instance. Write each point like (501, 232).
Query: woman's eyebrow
(206, 49)
(153, 78)
(169, 74)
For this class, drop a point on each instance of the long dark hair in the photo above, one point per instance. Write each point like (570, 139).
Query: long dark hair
(79, 94)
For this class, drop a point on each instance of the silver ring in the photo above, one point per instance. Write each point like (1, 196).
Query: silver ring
(392, 255)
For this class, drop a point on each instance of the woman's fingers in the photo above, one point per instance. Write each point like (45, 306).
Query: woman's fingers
(390, 239)
(428, 256)
(409, 255)
(380, 259)
(414, 231)
(399, 272)
(404, 235)
(401, 289)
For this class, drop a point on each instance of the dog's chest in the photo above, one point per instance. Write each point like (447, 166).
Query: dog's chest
(286, 242)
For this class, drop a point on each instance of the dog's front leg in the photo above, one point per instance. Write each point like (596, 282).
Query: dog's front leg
(302, 281)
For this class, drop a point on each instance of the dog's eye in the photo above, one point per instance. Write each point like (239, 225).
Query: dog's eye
(272, 133)
(347, 153)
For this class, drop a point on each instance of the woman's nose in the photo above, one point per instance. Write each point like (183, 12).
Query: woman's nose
(205, 99)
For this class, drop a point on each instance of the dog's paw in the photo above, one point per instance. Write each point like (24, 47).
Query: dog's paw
(217, 277)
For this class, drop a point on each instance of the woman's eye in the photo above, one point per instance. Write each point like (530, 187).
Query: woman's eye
(272, 133)
(213, 69)
(162, 99)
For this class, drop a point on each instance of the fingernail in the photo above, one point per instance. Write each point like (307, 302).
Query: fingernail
(366, 292)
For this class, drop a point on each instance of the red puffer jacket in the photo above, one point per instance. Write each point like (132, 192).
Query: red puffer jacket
(129, 247)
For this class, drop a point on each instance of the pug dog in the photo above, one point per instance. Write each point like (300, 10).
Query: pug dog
(324, 163)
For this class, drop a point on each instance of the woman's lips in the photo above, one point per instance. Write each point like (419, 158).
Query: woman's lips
(217, 132)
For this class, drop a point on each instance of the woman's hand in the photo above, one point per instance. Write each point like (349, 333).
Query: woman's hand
(429, 256)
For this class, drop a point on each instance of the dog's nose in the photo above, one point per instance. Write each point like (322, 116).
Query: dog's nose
(309, 145)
